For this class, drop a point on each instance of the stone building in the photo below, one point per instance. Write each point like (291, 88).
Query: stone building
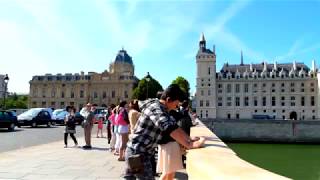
(59, 91)
(246, 91)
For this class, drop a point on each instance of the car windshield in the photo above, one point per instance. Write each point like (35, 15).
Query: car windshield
(58, 112)
(31, 112)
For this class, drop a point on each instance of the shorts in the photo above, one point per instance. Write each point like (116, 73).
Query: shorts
(123, 129)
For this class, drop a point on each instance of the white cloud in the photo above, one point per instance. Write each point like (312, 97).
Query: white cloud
(298, 48)
(219, 34)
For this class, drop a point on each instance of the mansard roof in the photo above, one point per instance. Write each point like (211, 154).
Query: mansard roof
(259, 67)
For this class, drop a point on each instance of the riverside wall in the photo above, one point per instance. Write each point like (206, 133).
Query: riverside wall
(252, 130)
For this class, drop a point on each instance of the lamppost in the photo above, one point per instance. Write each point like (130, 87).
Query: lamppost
(5, 80)
(148, 78)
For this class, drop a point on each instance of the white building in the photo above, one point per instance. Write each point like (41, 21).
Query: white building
(241, 91)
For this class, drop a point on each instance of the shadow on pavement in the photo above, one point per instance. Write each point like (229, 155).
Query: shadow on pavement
(7, 131)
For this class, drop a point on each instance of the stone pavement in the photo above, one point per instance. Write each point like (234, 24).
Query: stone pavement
(53, 161)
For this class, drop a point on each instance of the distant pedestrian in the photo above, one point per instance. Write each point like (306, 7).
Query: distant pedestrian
(70, 124)
(87, 113)
(113, 127)
(100, 126)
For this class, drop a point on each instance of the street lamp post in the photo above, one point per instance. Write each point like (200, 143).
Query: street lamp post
(148, 78)
(5, 80)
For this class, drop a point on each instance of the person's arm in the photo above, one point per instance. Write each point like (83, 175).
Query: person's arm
(182, 138)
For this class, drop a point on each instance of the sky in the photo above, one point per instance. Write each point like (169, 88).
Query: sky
(59, 36)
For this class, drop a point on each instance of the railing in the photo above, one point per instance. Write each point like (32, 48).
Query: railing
(217, 161)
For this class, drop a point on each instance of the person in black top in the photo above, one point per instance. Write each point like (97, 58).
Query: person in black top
(70, 124)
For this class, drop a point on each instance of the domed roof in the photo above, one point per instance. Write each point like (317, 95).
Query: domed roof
(123, 57)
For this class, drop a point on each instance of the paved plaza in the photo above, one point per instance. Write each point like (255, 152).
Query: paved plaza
(53, 161)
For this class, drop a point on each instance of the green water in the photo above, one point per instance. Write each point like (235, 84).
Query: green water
(296, 161)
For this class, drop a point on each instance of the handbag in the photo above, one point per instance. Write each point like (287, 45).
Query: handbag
(135, 163)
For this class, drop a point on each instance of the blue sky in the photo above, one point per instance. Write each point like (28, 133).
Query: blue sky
(58, 36)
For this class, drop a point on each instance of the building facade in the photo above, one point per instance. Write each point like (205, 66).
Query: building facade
(103, 89)
(245, 91)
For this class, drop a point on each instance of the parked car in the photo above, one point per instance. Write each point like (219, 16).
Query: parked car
(18, 111)
(34, 117)
(8, 120)
(78, 118)
(58, 116)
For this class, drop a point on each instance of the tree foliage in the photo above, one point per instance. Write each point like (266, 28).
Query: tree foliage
(15, 101)
(146, 89)
(183, 84)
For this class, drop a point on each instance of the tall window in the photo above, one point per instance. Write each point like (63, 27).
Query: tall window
(228, 88)
(237, 101)
(219, 101)
(255, 101)
(95, 95)
(209, 70)
(207, 103)
(72, 94)
(62, 94)
(273, 101)
(246, 88)
(201, 103)
(283, 101)
(302, 101)
(312, 100)
(104, 94)
(113, 94)
(237, 88)
(246, 101)
(264, 101)
(126, 94)
(202, 93)
(229, 101)
(81, 93)
(209, 92)
(293, 99)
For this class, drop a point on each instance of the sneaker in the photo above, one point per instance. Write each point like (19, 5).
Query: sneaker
(65, 146)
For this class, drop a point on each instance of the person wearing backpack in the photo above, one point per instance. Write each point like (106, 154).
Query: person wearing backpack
(123, 128)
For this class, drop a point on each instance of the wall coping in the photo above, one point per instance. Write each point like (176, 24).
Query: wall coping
(217, 161)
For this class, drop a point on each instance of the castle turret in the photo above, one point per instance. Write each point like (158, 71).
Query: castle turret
(206, 80)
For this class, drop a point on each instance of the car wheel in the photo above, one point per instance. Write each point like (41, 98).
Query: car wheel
(33, 124)
(49, 124)
(12, 126)
(53, 123)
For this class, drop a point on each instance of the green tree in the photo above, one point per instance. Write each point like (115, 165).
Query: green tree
(16, 101)
(183, 84)
(146, 89)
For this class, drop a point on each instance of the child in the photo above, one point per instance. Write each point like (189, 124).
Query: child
(100, 126)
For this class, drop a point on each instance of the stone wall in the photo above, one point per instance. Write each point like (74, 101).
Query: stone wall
(217, 161)
(282, 131)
